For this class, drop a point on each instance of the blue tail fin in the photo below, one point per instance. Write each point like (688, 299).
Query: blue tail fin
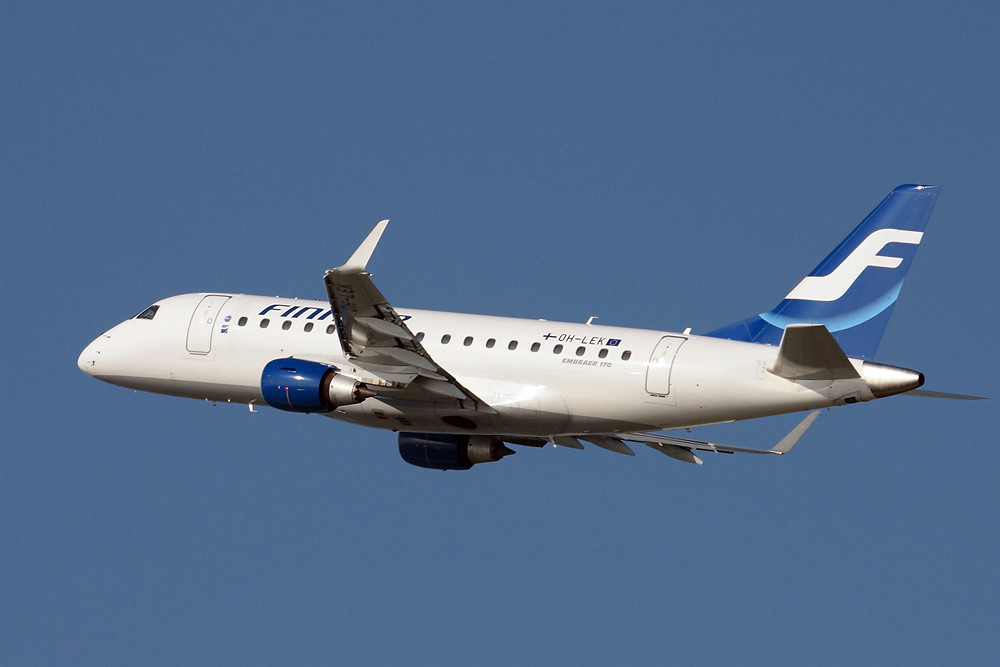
(853, 290)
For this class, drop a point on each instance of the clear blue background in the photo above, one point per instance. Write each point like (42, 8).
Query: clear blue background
(662, 165)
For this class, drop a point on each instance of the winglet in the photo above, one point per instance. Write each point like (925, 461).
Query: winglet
(789, 440)
(359, 260)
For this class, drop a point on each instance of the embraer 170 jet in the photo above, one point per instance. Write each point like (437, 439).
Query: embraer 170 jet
(460, 388)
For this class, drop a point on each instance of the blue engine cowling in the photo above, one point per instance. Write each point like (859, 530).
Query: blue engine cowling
(450, 451)
(306, 386)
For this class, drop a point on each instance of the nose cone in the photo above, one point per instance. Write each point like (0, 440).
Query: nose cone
(88, 359)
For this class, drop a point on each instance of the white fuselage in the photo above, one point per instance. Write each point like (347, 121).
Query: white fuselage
(542, 378)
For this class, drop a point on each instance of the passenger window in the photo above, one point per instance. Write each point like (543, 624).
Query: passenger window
(286, 325)
(445, 339)
(603, 353)
(148, 314)
(491, 342)
(242, 322)
(535, 347)
(468, 341)
(330, 329)
(557, 349)
(626, 355)
(264, 323)
(419, 337)
(308, 327)
(580, 350)
(512, 345)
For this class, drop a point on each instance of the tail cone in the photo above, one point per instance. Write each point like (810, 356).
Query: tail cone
(886, 380)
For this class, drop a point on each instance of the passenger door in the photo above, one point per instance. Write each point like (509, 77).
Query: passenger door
(199, 338)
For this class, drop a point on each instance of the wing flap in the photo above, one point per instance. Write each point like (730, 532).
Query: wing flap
(683, 448)
(675, 452)
(377, 341)
(442, 388)
(403, 356)
(566, 441)
(384, 327)
(609, 443)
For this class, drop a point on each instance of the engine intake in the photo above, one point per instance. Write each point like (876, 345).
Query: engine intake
(450, 451)
(306, 386)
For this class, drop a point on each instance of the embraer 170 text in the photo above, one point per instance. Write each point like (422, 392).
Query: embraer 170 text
(460, 388)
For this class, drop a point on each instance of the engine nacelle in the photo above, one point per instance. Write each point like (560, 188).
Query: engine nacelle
(306, 386)
(450, 451)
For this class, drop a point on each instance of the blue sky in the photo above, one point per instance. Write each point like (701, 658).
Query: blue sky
(658, 165)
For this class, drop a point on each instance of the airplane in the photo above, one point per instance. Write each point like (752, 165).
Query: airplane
(461, 389)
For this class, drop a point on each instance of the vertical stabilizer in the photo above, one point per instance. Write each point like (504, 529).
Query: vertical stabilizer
(852, 291)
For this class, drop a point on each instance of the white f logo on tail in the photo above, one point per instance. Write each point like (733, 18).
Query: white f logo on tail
(836, 283)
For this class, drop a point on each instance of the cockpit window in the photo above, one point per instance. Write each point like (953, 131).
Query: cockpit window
(148, 314)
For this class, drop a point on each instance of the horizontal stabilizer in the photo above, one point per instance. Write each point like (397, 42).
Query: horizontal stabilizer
(809, 352)
(941, 394)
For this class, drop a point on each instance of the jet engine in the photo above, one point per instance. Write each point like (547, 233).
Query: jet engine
(306, 386)
(450, 451)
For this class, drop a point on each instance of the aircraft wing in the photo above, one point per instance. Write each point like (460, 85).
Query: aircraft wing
(382, 351)
(681, 449)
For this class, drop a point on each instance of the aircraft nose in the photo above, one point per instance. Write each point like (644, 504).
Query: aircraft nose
(88, 359)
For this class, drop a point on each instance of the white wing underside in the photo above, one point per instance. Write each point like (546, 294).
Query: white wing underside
(681, 449)
(382, 352)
